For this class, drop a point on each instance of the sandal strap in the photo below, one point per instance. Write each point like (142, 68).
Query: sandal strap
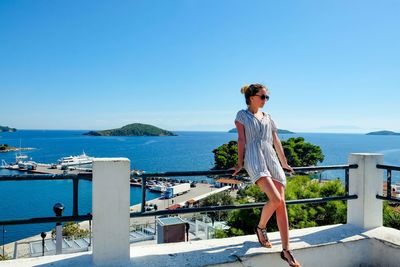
(290, 254)
(264, 233)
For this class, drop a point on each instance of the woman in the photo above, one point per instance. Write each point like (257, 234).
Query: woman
(256, 142)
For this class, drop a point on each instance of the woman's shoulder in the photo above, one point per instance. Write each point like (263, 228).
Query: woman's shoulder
(241, 116)
(241, 112)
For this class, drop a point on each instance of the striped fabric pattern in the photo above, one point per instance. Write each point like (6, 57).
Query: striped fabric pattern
(260, 159)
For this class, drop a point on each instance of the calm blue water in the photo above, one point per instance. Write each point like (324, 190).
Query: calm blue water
(187, 151)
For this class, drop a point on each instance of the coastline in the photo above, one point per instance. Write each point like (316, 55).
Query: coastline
(14, 149)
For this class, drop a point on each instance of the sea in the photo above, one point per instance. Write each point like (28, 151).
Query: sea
(188, 151)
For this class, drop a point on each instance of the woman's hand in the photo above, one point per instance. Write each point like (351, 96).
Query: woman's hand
(237, 169)
(287, 168)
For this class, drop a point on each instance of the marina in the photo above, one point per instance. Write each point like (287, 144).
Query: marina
(71, 164)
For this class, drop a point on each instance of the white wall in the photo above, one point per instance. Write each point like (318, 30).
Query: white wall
(111, 199)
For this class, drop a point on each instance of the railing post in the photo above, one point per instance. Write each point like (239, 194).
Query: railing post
(143, 203)
(389, 183)
(15, 250)
(366, 182)
(111, 200)
(75, 185)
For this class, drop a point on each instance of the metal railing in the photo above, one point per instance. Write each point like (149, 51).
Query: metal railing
(389, 170)
(51, 177)
(144, 176)
(76, 178)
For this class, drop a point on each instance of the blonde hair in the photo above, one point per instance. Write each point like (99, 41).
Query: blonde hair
(244, 89)
(251, 90)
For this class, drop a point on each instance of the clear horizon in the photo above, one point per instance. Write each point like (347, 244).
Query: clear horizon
(331, 66)
(222, 131)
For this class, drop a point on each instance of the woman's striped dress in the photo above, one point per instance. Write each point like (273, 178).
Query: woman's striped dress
(260, 158)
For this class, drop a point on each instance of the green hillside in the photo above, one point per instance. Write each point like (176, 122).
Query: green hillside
(134, 129)
(383, 133)
(7, 129)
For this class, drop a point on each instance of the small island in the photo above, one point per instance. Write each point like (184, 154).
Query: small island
(7, 129)
(7, 148)
(385, 132)
(134, 129)
(280, 131)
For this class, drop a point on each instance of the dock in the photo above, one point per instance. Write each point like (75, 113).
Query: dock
(44, 169)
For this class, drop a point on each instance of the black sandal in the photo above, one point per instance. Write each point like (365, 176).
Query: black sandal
(296, 263)
(266, 242)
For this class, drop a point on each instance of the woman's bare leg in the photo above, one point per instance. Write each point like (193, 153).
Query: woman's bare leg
(267, 186)
(283, 224)
(282, 217)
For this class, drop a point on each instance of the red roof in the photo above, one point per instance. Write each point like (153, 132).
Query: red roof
(228, 181)
(191, 201)
(174, 207)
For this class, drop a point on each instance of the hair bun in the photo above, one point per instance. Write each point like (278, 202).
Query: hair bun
(244, 89)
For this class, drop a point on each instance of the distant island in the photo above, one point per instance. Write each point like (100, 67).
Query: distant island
(383, 133)
(7, 129)
(134, 129)
(7, 148)
(280, 131)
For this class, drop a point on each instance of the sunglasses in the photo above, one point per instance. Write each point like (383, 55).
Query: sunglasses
(263, 97)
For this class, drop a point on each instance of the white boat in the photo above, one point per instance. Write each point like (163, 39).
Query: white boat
(27, 165)
(23, 164)
(70, 161)
(20, 157)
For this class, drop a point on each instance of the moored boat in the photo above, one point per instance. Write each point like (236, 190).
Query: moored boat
(27, 165)
(70, 161)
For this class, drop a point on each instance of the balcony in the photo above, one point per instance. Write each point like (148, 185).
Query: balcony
(363, 241)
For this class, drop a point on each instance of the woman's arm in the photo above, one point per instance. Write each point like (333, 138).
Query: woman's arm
(241, 146)
(279, 150)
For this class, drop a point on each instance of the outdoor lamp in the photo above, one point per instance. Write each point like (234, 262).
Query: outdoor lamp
(43, 236)
(58, 209)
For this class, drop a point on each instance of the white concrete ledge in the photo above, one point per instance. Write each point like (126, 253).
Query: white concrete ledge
(333, 245)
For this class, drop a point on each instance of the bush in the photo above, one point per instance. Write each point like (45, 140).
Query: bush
(72, 230)
(4, 257)
(391, 216)
(299, 215)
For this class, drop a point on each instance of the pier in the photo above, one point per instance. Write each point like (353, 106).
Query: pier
(45, 169)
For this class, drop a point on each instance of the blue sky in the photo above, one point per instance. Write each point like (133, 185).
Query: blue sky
(331, 66)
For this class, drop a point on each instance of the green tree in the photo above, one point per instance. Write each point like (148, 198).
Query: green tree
(225, 156)
(300, 153)
(219, 199)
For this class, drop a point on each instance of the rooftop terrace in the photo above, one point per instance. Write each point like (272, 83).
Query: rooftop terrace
(363, 241)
